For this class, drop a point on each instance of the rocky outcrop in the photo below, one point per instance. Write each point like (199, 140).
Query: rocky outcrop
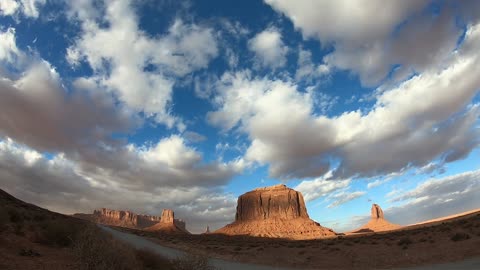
(120, 218)
(377, 212)
(167, 216)
(276, 211)
(168, 223)
(276, 202)
(377, 222)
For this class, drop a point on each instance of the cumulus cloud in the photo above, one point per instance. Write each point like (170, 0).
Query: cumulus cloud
(436, 198)
(9, 52)
(427, 117)
(63, 185)
(28, 8)
(36, 109)
(269, 48)
(370, 47)
(141, 70)
(321, 187)
(307, 70)
(344, 197)
(88, 166)
(8, 7)
(194, 136)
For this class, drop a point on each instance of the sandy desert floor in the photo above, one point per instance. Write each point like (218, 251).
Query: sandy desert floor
(445, 241)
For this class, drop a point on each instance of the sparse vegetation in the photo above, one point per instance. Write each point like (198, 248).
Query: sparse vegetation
(192, 262)
(59, 232)
(405, 241)
(15, 215)
(460, 236)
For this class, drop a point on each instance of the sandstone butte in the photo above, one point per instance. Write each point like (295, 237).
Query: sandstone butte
(169, 224)
(377, 222)
(120, 218)
(277, 212)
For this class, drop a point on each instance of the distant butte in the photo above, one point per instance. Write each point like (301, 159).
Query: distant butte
(169, 224)
(277, 212)
(377, 222)
(120, 218)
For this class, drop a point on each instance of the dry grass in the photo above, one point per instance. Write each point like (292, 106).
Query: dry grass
(97, 250)
(62, 242)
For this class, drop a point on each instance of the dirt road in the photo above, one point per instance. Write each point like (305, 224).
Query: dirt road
(142, 243)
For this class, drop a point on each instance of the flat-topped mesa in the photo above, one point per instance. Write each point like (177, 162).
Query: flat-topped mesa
(276, 211)
(277, 202)
(377, 212)
(120, 218)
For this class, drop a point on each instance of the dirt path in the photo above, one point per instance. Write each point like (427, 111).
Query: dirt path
(142, 243)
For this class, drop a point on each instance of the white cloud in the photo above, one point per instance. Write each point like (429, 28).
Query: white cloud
(321, 187)
(436, 198)
(63, 185)
(370, 47)
(9, 51)
(269, 48)
(306, 69)
(342, 197)
(8, 7)
(194, 136)
(428, 117)
(76, 125)
(36, 109)
(347, 20)
(28, 8)
(141, 70)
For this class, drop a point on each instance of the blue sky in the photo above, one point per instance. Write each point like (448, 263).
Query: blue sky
(145, 105)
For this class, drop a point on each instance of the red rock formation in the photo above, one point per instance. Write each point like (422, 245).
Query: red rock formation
(167, 216)
(276, 211)
(377, 212)
(169, 224)
(377, 222)
(120, 218)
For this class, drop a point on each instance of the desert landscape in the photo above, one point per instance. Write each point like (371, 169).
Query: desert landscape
(271, 228)
(258, 134)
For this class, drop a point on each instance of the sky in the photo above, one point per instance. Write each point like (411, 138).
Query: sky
(143, 105)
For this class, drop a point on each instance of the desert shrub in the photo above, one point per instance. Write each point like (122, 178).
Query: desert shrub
(59, 232)
(39, 217)
(4, 219)
(15, 215)
(460, 236)
(97, 250)
(151, 261)
(18, 229)
(192, 262)
(404, 241)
